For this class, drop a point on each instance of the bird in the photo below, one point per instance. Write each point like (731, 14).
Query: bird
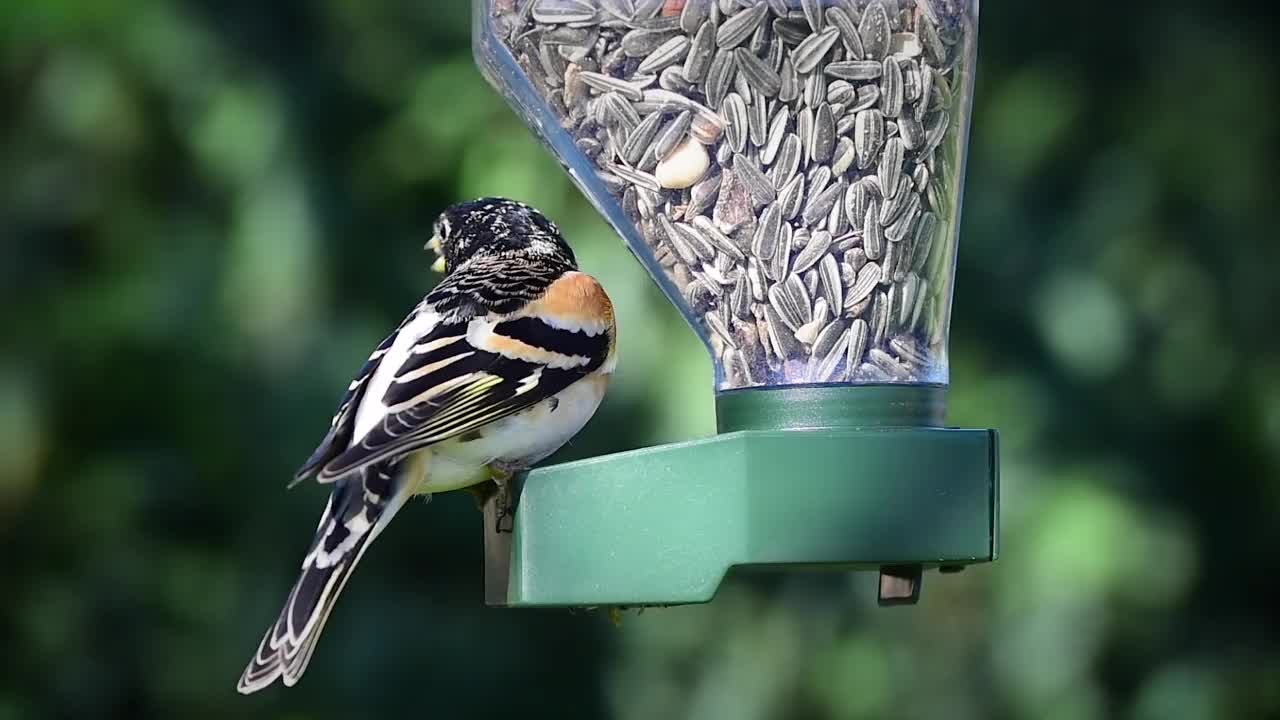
(498, 366)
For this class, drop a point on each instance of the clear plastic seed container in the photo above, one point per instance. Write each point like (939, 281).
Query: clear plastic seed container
(789, 171)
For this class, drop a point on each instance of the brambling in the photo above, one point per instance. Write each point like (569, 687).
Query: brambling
(500, 364)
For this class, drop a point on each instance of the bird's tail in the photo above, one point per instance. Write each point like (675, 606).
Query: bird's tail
(358, 510)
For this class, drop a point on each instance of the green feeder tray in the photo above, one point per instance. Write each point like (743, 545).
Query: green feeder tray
(799, 478)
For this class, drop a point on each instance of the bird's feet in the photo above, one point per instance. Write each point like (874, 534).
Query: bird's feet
(504, 521)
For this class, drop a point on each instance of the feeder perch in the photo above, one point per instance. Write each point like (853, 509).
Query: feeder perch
(792, 183)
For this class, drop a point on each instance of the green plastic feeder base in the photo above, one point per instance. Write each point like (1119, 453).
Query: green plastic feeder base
(813, 478)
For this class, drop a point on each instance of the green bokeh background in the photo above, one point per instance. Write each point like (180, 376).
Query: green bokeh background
(210, 211)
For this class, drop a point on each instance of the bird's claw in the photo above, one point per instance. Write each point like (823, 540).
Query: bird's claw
(505, 517)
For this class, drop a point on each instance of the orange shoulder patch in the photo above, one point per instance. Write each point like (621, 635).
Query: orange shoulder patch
(575, 302)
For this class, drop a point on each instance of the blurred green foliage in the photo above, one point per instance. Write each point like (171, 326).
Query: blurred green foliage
(209, 211)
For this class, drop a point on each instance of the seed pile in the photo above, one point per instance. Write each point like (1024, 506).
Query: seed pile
(791, 164)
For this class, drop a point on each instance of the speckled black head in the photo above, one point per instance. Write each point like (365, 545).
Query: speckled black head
(496, 227)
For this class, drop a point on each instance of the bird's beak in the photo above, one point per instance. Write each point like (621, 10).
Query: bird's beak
(434, 244)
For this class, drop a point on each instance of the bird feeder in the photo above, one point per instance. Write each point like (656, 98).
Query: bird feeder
(790, 173)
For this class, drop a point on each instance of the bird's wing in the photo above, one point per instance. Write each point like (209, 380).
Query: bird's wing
(342, 426)
(462, 375)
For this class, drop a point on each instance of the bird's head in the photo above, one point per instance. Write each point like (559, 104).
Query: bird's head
(494, 227)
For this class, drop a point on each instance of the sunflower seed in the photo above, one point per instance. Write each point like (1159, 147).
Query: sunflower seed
(892, 252)
(819, 242)
(788, 81)
(768, 233)
(787, 163)
(830, 282)
(697, 241)
(734, 111)
(910, 80)
(669, 138)
(922, 295)
(855, 70)
(810, 278)
(780, 264)
(868, 136)
(647, 9)
(874, 31)
(563, 11)
(920, 177)
(891, 90)
(783, 342)
(812, 49)
(828, 352)
(608, 84)
(872, 232)
(759, 75)
(815, 90)
(713, 236)
(719, 77)
(639, 140)
(935, 129)
(694, 15)
(761, 190)
(792, 32)
(677, 241)
(896, 200)
(908, 350)
(926, 229)
(867, 97)
(910, 288)
(844, 156)
(757, 118)
(636, 177)
(788, 312)
(930, 43)
(837, 223)
(701, 52)
(773, 141)
(702, 196)
(734, 31)
(804, 128)
(879, 318)
(718, 326)
(820, 204)
(886, 363)
(868, 277)
(791, 197)
(639, 43)
(818, 177)
(889, 169)
(841, 91)
(905, 222)
(858, 335)
(843, 21)
(845, 125)
(798, 299)
(824, 135)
